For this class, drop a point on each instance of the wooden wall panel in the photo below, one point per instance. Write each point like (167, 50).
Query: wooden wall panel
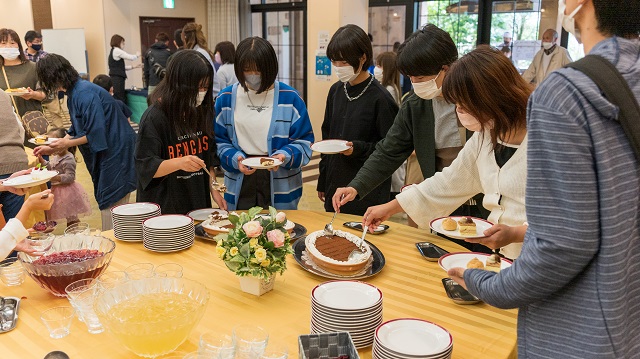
(41, 14)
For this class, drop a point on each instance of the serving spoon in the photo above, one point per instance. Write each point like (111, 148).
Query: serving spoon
(216, 186)
(360, 250)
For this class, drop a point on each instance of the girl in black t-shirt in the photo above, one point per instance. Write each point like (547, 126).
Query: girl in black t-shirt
(176, 139)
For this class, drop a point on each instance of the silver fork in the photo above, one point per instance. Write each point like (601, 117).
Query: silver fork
(328, 228)
(216, 186)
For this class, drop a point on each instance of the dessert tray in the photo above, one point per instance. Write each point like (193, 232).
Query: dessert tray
(481, 226)
(377, 263)
(26, 181)
(17, 92)
(254, 162)
(201, 215)
(329, 147)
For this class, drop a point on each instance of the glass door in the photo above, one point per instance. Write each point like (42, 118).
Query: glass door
(458, 18)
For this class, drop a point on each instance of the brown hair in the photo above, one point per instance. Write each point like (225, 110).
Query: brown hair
(162, 37)
(116, 41)
(192, 35)
(390, 73)
(485, 84)
(227, 51)
(6, 34)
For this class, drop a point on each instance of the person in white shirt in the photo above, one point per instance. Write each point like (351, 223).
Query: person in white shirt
(117, 68)
(491, 100)
(224, 54)
(550, 58)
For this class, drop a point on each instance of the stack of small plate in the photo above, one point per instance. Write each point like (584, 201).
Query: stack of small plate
(168, 233)
(347, 306)
(409, 338)
(128, 218)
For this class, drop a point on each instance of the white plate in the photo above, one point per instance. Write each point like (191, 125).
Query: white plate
(254, 162)
(135, 209)
(168, 221)
(201, 215)
(481, 226)
(330, 147)
(460, 259)
(49, 141)
(25, 181)
(347, 295)
(413, 337)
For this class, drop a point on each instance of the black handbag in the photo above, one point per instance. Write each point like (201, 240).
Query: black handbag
(616, 90)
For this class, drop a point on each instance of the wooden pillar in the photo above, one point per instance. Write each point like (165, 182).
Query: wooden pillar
(41, 14)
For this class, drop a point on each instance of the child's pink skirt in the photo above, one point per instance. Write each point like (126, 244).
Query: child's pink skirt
(69, 200)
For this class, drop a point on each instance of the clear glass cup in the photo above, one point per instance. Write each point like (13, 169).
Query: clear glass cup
(78, 228)
(214, 345)
(250, 340)
(82, 295)
(168, 270)
(139, 271)
(11, 272)
(274, 350)
(58, 321)
(40, 242)
(110, 279)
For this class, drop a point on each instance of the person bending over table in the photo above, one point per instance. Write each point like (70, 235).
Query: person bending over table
(576, 282)
(98, 128)
(259, 116)
(491, 100)
(359, 110)
(13, 234)
(176, 139)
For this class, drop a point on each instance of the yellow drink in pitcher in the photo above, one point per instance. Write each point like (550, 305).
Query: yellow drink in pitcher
(154, 324)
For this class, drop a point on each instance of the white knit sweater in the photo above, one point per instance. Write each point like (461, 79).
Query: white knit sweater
(474, 171)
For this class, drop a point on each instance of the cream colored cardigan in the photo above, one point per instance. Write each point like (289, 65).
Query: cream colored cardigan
(474, 171)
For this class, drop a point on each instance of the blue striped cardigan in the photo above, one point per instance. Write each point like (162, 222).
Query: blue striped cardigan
(290, 134)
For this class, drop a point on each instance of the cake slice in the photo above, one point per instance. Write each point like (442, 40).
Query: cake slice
(265, 161)
(41, 139)
(467, 227)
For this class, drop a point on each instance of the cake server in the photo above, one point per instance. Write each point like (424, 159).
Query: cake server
(358, 251)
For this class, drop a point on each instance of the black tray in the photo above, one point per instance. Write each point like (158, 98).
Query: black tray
(376, 266)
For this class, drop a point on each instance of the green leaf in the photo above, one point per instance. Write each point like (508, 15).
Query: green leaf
(233, 266)
(253, 212)
(269, 246)
(245, 250)
(273, 212)
(234, 219)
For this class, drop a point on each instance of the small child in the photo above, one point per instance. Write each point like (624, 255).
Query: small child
(106, 83)
(71, 199)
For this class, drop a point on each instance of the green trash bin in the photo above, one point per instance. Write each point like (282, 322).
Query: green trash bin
(137, 102)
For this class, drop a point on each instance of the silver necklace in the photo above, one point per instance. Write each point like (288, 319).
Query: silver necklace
(361, 93)
(261, 107)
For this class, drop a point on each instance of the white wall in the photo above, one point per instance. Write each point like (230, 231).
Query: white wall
(19, 18)
(122, 17)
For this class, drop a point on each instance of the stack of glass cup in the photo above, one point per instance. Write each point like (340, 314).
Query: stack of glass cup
(81, 295)
(245, 342)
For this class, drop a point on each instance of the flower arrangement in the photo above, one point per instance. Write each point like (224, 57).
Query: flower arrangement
(257, 245)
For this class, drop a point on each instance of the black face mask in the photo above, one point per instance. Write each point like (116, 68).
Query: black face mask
(36, 47)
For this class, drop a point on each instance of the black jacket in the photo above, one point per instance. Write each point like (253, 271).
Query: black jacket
(158, 53)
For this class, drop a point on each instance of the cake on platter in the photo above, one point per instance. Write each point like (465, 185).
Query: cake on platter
(331, 253)
(217, 223)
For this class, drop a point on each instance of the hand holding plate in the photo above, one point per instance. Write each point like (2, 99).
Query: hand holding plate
(348, 151)
(245, 169)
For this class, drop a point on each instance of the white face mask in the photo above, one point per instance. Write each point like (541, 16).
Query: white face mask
(253, 81)
(9, 53)
(377, 72)
(568, 21)
(468, 121)
(547, 45)
(201, 96)
(427, 90)
(345, 73)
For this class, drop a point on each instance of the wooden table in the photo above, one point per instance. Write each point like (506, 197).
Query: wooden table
(411, 287)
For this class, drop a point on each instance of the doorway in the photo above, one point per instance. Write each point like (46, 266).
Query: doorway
(150, 26)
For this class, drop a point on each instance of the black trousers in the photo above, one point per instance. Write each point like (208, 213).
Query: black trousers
(118, 88)
(255, 191)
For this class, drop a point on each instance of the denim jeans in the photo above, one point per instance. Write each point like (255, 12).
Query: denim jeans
(11, 203)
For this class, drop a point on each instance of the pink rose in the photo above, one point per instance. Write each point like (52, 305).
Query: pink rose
(281, 217)
(277, 237)
(252, 229)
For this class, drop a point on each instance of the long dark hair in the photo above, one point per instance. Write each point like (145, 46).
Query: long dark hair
(5, 35)
(55, 72)
(485, 84)
(390, 73)
(177, 93)
(256, 54)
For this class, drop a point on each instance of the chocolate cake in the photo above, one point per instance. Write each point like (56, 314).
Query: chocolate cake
(335, 247)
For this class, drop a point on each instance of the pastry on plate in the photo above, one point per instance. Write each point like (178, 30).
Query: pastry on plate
(449, 224)
(265, 161)
(467, 226)
(41, 139)
(20, 89)
(475, 263)
(493, 263)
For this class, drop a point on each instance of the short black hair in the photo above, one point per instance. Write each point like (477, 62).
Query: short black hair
(256, 54)
(162, 37)
(32, 35)
(103, 81)
(618, 17)
(348, 44)
(426, 51)
(227, 51)
(177, 37)
(55, 72)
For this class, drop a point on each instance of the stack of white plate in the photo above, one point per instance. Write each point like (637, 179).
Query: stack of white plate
(128, 218)
(168, 233)
(347, 306)
(409, 338)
